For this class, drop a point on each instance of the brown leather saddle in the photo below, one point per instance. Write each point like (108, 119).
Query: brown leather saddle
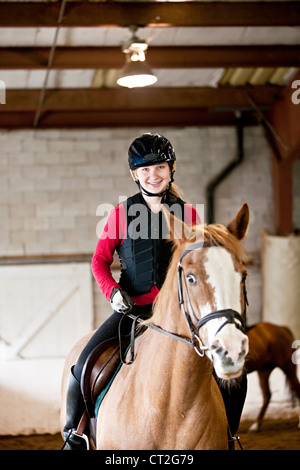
(99, 369)
(104, 361)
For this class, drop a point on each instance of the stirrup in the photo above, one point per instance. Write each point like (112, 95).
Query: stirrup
(231, 442)
(81, 436)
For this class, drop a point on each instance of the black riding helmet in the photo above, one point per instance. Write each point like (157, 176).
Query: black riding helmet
(151, 149)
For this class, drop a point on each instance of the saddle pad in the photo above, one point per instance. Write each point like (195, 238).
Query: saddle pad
(105, 390)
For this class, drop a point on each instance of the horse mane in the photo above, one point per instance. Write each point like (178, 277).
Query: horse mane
(217, 234)
(214, 234)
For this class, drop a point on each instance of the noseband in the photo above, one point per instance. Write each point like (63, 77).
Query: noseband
(229, 314)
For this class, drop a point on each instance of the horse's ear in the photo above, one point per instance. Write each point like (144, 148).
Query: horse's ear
(179, 231)
(238, 226)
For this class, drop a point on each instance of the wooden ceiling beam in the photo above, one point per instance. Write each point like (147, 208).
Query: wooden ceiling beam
(117, 99)
(31, 58)
(159, 14)
(123, 118)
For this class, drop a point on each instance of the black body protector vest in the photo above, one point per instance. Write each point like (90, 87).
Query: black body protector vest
(146, 251)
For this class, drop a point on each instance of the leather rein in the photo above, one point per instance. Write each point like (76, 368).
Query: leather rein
(194, 340)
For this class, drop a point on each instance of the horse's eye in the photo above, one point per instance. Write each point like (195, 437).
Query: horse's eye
(192, 279)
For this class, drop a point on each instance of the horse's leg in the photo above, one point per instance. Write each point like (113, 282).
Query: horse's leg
(263, 376)
(291, 375)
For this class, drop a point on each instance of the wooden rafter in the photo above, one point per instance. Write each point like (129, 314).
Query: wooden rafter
(117, 99)
(83, 108)
(152, 118)
(160, 14)
(158, 57)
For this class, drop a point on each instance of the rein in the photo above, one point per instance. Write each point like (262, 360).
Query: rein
(140, 319)
(194, 339)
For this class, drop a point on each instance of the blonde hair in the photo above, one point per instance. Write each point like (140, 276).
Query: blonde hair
(176, 191)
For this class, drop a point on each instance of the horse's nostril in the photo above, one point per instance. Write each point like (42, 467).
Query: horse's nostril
(226, 354)
(218, 347)
(245, 346)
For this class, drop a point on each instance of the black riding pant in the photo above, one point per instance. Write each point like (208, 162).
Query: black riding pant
(234, 398)
(109, 329)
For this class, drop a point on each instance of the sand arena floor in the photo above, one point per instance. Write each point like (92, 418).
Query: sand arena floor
(276, 434)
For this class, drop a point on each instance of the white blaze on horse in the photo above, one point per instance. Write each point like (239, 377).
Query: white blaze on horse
(168, 398)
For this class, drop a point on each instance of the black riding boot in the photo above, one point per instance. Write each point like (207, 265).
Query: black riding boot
(74, 412)
(234, 399)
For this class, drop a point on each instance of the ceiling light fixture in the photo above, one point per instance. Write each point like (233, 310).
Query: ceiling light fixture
(136, 72)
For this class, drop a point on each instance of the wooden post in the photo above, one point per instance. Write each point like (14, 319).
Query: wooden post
(283, 197)
(285, 119)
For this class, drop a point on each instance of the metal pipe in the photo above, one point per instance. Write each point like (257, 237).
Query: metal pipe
(217, 180)
(50, 62)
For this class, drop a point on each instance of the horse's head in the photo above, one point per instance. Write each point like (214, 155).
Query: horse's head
(211, 277)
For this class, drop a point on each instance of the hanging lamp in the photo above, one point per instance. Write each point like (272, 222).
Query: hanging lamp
(136, 72)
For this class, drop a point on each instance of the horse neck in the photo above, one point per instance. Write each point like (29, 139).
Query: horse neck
(190, 374)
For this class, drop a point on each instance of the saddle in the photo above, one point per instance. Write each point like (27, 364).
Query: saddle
(99, 369)
(105, 360)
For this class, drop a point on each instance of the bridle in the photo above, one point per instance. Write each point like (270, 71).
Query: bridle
(228, 313)
(194, 340)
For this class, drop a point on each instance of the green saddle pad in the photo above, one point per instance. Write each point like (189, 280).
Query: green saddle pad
(105, 390)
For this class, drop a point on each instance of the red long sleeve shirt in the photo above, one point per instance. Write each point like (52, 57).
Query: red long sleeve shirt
(112, 236)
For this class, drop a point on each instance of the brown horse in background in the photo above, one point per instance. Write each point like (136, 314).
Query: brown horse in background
(270, 346)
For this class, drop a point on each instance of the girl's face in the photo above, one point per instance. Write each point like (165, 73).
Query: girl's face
(154, 178)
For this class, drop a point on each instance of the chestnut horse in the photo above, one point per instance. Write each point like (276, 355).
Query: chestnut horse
(270, 346)
(168, 398)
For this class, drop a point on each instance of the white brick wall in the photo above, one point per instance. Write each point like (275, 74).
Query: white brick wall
(51, 183)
